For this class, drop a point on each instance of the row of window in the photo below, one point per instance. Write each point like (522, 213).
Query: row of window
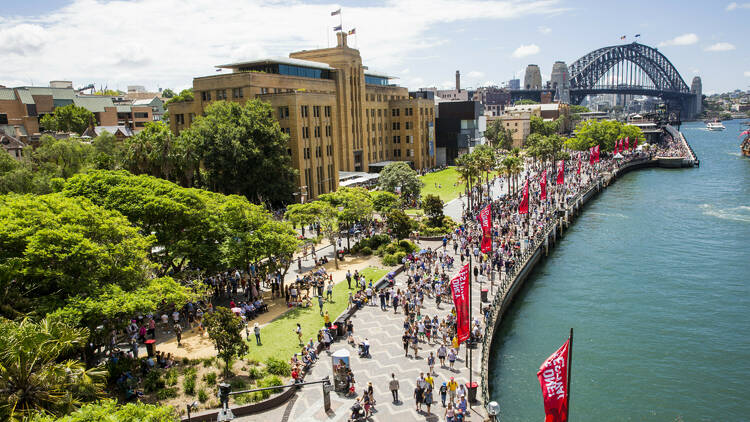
(307, 152)
(383, 97)
(317, 131)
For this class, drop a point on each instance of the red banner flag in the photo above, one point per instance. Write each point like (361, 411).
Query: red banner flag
(543, 185)
(621, 145)
(617, 147)
(460, 292)
(591, 156)
(635, 143)
(485, 218)
(579, 164)
(523, 207)
(596, 154)
(561, 172)
(627, 143)
(553, 377)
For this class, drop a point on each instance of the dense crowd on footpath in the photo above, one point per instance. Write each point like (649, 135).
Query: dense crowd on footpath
(549, 188)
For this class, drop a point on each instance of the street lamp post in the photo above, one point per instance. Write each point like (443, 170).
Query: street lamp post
(190, 407)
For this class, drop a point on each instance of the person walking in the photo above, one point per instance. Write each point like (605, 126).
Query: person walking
(452, 386)
(320, 304)
(256, 330)
(298, 330)
(393, 386)
(427, 397)
(451, 358)
(441, 352)
(405, 338)
(443, 393)
(178, 332)
(431, 363)
(349, 279)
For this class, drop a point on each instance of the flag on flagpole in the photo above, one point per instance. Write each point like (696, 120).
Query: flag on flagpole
(591, 156)
(627, 143)
(579, 164)
(337, 28)
(635, 143)
(623, 37)
(523, 207)
(485, 217)
(561, 172)
(553, 378)
(460, 292)
(337, 12)
(543, 186)
(352, 31)
(596, 154)
(637, 35)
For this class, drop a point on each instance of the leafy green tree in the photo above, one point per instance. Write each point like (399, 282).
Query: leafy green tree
(37, 372)
(433, 208)
(574, 108)
(225, 330)
(469, 171)
(108, 93)
(320, 213)
(60, 157)
(185, 95)
(109, 411)
(399, 223)
(603, 133)
(186, 223)
(168, 93)
(499, 136)
(243, 151)
(69, 118)
(354, 205)
(525, 102)
(107, 151)
(400, 174)
(538, 125)
(53, 248)
(384, 201)
(154, 151)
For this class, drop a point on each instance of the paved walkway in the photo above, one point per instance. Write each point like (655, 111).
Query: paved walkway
(384, 330)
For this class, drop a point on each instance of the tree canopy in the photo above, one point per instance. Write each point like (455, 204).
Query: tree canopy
(69, 118)
(168, 93)
(498, 136)
(184, 95)
(110, 411)
(400, 174)
(603, 133)
(225, 331)
(54, 248)
(243, 151)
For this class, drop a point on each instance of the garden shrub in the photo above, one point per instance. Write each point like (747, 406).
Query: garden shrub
(202, 395)
(210, 378)
(166, 393)
(366, 251)
(256, 373)
(278, 367)
(153, 381)
(171, 377)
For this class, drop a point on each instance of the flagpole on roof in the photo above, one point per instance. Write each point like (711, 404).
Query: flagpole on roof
(570, 364)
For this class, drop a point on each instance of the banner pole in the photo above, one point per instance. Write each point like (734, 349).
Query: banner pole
(570, 364)
(471, 321)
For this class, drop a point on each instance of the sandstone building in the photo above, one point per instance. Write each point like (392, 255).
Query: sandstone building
(339, 115)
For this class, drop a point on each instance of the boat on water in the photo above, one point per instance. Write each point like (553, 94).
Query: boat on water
(745, 146)
(715, 125)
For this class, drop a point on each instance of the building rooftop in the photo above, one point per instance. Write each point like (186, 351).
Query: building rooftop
(56, 93)
(7, 94)
(277, 60)
(25, 96)
(94, 104)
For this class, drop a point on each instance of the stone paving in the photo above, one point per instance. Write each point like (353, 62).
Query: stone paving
(384, 330)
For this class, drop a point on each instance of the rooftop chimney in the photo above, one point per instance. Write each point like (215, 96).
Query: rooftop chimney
(458, 81)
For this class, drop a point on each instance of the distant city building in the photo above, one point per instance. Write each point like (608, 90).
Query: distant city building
(22, 108)
(514, 84)
(560, 82)
(533, 77)
(12, 145)
(136, 88)
(460, 127)
(696, 88)
(519, 123)
(340, 115)
(493, 99)
(120, 132)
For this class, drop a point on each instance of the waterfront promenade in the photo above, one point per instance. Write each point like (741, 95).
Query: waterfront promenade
(383, 329)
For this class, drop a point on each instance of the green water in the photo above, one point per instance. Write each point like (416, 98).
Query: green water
(655, 279)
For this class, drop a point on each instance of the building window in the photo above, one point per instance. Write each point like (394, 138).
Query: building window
(396, 126)
(316, 111)
(237, 93)
(303, 111)
(180, 119)
(328, 130)
(206, 95)
(305, 132)
(141, 115)
(289, 151)
(397, 139)
(327, 111)
(317, 131)
(318, 152)
(306, 153)
(221, 94)
(3, 119)
(395, 112)
(408, 125)
(264, 90)
(283, 113)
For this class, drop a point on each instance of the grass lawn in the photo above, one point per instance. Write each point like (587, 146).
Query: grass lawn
(445, 178)
(280, 340)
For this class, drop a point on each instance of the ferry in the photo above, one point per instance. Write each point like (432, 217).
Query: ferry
(715, 125)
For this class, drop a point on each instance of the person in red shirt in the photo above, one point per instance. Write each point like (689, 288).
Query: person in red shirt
(295, 375)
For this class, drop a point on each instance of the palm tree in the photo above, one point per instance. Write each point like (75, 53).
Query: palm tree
(37, 372)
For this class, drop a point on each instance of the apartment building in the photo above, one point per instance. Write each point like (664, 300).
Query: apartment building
(22, 108)
(340, 116)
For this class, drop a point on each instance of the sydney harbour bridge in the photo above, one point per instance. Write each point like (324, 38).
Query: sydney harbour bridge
(628, 69)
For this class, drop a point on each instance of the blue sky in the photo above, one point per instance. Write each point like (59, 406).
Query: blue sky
(165, 43)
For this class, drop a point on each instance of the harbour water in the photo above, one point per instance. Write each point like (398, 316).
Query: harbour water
(654, 277)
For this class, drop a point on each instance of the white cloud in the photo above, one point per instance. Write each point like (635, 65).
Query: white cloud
(720, 46)
(177, 40)
(475, 74)
(734, 5)
(544, 30)
(526, 50)
(747, 73)
(684, 39)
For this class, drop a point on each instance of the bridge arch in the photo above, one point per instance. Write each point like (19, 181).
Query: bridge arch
(628, 68)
